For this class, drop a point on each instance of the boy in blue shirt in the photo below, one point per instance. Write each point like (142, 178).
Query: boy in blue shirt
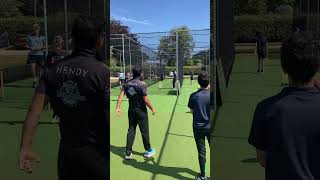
(199, 104)
(285, 130)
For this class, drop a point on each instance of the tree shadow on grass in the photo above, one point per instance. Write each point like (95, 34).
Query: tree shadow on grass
(172, 92)
(250, 160)
(149, 165)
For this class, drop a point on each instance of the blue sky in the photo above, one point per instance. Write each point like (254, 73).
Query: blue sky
(161, 15)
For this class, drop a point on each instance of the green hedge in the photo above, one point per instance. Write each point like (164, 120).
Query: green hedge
(17, 26)
(276, 27)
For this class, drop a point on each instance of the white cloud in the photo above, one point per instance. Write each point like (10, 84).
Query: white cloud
(126, 19)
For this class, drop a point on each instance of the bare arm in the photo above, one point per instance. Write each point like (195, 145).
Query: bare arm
(26, 157)
(148, 103)
(120, 98)
(261, 157)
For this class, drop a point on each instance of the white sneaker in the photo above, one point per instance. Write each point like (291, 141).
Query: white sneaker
(150, 153)
(128, 157)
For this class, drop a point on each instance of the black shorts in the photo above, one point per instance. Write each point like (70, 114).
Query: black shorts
(82, 163)
(38, 59)
(262, 54)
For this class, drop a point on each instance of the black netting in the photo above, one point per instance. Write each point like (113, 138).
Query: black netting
(307, 16)
(62, 13)
(161, 53)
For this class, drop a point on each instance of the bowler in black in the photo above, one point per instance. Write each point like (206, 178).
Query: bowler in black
(76, 88)
(136, 91)
(286, 129)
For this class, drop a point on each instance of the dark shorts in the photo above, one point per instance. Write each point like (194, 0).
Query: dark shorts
(38, 59)
(262, 54)
(87, 162)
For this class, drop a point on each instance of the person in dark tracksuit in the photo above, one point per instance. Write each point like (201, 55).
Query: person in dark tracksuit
(76, 88)
(199, 104)
(174, 80)
(136, 91)
(191, 77)
(285, 129)
(261, 49)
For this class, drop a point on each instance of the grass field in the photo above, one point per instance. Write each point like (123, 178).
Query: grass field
(13, 109)
(171, 135)
(233, 157)
(171, 131)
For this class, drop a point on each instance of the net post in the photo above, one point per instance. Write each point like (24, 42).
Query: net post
(2, 85)
(124, 61)
(177, 62)
(130, 57)
(66, 24)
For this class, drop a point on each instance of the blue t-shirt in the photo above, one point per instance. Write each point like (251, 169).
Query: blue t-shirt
(199, 102)
(287, 127)
(36, 42)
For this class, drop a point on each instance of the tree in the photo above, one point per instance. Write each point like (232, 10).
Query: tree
(273, 4)
(167, 47)
(9, 8)
(189, 62)
(258, 7)
(116, 29)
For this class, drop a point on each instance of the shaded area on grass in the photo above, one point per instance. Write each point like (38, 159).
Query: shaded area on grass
(150, 165)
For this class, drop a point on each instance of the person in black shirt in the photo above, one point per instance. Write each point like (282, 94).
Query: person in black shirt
(128, 77)
(191, 77)
(285, 130)
(199, 104)
(261, 49)
(58, 53)
(76, 87)
(136, 91)
(174, 80)
(53, 57)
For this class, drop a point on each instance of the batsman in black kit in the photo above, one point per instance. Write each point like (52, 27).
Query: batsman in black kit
(76, 88)
(136, 91)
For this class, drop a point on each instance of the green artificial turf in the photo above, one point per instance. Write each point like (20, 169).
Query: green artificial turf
(13, 109)
(233, 157)
(171, 134)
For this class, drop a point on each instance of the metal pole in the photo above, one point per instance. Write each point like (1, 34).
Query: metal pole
(124, 62)
(121, 61)
(105, 35)
(2, 85)
(130, 57)
(214, 45)
(66, 24)
(89, 7)
(142, 58)
(35, 10)
(308, 15)
(177, 61)
(45, 25)
(150, 65)
(318, 18)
